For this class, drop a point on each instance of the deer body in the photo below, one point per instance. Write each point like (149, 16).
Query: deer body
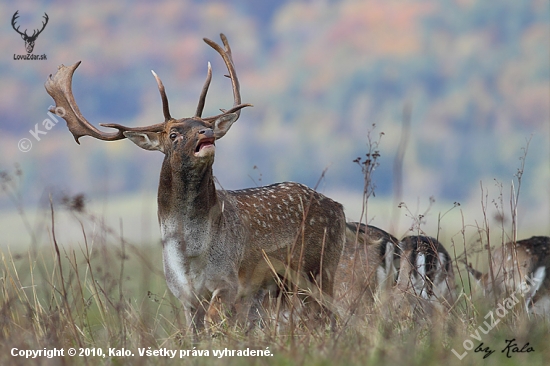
(222, 248)
(520, 266)
(214, 250)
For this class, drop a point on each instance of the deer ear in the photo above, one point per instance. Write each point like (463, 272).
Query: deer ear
(145, 140)
(223, 124)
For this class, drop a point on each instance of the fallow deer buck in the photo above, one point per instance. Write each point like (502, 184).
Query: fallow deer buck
(220, 247)
(523, 267)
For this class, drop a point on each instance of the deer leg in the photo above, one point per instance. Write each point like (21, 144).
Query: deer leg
(326, 296)
(194, 315)
(221, 307)
(317, 305)
(256, 311)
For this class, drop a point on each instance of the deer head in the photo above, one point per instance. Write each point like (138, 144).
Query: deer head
(29, 40)
(183, 140)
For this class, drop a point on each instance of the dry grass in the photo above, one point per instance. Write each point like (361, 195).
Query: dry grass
(113, 295)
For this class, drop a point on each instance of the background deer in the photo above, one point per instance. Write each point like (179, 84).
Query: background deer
(520, 266)
(376, 265)
(222, 246)
(29, 40)
(426, 271)
(368, 265)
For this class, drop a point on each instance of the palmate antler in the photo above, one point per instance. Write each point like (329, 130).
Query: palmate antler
(59, 87)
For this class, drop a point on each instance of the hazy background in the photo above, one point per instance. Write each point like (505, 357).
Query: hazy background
(319, 74)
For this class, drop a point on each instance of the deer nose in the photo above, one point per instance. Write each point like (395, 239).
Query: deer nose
(207, 132)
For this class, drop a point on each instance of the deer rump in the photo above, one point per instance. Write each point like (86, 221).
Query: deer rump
(523, 267)
(308, 236)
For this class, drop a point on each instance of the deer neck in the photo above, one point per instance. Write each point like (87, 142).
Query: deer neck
(187, 195)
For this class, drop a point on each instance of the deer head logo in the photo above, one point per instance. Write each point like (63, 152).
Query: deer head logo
(29, 40)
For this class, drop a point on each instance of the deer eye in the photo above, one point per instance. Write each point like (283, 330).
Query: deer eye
(173, 135)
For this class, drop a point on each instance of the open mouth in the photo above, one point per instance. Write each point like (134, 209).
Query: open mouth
(204, 143)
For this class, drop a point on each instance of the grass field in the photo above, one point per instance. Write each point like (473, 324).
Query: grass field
(106, 299)
(109, 296)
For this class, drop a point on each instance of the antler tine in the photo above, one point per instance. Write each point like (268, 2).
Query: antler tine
(227, 58)
(59, 87)
(165, 108)
(202, 98)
